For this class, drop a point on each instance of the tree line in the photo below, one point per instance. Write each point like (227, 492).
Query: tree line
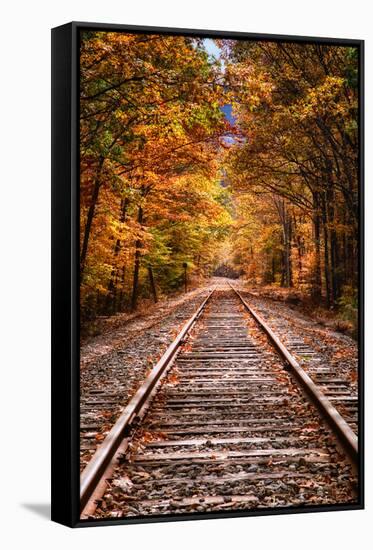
(295, 168)
(168, 183)
(150, 197)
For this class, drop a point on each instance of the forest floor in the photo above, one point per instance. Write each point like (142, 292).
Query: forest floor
(300, 302)
(112, 331)
(298, 322)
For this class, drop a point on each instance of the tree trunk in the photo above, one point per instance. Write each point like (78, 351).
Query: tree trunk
(335, 265)
(283, 271)
(300, 262)
(152, 284)
(316, 286)
(114, 275)
(334, 250)
(329, 299)
(344, 253)
(288, 251)
(90, 216)
(136, 270)
(286, 235)
(122, 285)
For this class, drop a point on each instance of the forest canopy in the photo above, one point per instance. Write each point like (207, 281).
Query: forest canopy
(169, 182)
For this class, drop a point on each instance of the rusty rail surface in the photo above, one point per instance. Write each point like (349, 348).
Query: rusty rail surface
(346, 435)
(95, 469)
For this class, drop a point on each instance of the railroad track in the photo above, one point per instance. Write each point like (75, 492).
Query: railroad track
(335, 383)
(226, 420)
(107, 381)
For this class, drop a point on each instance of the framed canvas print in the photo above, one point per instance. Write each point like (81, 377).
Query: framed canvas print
(207, 277)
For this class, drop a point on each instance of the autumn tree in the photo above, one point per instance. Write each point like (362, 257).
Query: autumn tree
(150, 129)
(296, 107)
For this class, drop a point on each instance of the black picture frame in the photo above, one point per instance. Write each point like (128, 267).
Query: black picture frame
(65, 270)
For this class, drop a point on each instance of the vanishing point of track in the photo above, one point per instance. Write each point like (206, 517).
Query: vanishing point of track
(227, 419)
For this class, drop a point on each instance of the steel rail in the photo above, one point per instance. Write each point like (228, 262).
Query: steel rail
(346, 435)
(96, 467)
